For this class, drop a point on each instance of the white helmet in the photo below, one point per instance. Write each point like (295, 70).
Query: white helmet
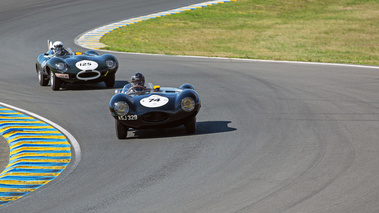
(57, 44)
(58, 48)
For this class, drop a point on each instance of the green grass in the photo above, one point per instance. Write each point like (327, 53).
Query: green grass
(333, 31)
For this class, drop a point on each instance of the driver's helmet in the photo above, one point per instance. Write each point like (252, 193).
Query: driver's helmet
(58, 48)
(138, 79)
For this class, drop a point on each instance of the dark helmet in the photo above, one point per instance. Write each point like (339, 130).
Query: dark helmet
(138, 79)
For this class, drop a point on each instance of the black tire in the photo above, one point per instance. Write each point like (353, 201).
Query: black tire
(191, 126)
(43, 79)
(121, 130)
(55, 83)
(109, 82)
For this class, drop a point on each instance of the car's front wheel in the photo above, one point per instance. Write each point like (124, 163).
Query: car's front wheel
(42, 78)
(191, 126)
(55, 83)
(109, 82)
(121, 130)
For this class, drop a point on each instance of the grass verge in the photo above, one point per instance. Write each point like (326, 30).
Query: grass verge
(333, 31)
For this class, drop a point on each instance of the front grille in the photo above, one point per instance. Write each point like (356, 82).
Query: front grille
(87, 74)
(155, 117)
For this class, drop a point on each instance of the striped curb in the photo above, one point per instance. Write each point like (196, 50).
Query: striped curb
(38, 154)
(91, 39)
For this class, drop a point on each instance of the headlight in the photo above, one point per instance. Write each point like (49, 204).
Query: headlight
(61, 66)
(110, 64)
(188, 104)
(121, 108)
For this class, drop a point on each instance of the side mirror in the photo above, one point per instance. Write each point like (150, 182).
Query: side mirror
(78, 53)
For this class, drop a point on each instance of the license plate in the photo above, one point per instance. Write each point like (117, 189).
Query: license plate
(127, 117)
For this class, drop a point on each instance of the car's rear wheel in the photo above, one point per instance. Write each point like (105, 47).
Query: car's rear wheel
(109, 82)
(55, 83)
(191, 126)
(43, 79)
(121, 130)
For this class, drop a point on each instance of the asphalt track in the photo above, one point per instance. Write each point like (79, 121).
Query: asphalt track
(272, 137)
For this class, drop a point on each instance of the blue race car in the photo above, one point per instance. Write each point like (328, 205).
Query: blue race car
(153, 107)
(62, 66)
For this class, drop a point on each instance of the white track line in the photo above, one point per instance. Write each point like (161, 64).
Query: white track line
(91, 39)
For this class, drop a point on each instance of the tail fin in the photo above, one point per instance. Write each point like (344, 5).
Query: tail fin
(49, 44)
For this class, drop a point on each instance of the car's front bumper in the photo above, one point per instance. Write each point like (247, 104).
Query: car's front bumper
(157, 119)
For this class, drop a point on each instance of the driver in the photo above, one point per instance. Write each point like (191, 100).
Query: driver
(137, 83)
(59, 50)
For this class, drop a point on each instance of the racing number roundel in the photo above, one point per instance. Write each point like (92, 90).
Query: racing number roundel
(86, 65)
(154, 101)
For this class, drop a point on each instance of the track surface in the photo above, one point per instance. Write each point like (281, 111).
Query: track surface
(272, 137)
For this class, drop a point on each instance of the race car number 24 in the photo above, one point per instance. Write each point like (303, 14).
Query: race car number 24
(128, 117)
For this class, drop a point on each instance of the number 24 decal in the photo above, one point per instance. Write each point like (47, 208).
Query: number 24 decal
(154, 101)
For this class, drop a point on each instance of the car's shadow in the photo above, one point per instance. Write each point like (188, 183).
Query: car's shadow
(202, 128)
(98, 86)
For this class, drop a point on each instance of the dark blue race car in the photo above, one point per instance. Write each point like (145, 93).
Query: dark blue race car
(154, 107)
(62, 66)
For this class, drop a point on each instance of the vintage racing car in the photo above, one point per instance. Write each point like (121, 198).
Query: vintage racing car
(62, 66)
(154, 108)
